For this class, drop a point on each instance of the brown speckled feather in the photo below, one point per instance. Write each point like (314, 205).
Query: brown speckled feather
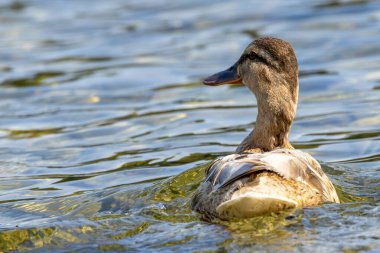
(290, 164)
(233, 173)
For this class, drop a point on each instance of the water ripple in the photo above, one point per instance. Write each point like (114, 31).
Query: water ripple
(106, 129)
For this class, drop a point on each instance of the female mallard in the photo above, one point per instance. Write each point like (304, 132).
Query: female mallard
(266, 174)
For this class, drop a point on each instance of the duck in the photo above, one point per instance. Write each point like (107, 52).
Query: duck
(265, 174)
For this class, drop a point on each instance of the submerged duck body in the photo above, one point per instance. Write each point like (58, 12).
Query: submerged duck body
(266, 174)
(250, 184)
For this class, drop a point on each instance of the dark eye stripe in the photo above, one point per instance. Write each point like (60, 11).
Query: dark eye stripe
(262, 59)
(255, 57)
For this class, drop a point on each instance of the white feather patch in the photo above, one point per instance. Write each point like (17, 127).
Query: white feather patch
(253, 204)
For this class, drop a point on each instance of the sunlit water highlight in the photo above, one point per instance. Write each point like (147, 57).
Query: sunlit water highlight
(105, 128)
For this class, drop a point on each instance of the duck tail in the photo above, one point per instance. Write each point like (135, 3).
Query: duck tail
(260, 196)
(254, 204)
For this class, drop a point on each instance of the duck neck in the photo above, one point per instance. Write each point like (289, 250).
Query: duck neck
(273, 124)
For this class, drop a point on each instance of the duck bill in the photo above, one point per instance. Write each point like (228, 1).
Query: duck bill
(229, 75)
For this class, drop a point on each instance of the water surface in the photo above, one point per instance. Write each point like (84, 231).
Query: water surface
(105, 128)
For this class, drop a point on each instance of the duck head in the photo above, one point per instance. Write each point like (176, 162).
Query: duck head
(269, 68)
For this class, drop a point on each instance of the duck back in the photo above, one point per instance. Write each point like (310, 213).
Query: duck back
(246, 185)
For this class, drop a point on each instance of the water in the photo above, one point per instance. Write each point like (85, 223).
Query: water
(105, 128)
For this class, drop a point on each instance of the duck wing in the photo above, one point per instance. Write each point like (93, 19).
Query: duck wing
(289, 164)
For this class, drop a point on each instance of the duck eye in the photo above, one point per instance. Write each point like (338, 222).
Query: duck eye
(257, 58)
(252, 55)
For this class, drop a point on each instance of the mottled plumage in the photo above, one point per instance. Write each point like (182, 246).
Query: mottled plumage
(231, 175)
(266, 174)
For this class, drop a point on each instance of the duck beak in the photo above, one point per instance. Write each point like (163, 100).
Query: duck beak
(229, 75)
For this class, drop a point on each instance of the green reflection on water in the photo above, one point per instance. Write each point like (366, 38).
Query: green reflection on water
(166, 202)
(22, 134)
(175, 191)
(131, 232)
(139, 64)
(38, 79)
(22, 239)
